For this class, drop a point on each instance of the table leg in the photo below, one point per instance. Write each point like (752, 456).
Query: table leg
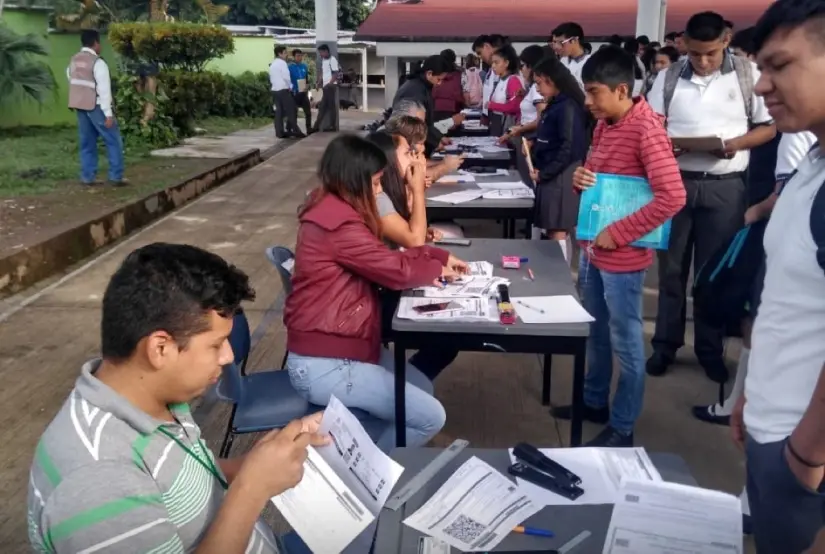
(400, 396)
(505, 228)
(546, 379)
(578, 394)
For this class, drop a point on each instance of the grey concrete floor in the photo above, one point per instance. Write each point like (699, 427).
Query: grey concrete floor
(491, 399)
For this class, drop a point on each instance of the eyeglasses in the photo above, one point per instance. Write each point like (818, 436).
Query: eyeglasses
(563, 42)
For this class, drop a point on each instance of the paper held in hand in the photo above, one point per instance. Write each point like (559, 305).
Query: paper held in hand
(344, 487)
(475, 509)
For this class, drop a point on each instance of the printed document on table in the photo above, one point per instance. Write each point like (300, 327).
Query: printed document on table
(509, 194)
(480, 269)
(466, 287)
(492, 148)
(475, 509)
(344, 487)
(472, 309)
(663, 518)
(601, 471)
(550, 309)
(501, 185)
(458, 197)
(454, 179)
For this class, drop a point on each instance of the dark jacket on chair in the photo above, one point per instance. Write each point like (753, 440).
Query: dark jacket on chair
(333, 310)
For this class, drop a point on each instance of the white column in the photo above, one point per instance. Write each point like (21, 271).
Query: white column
(648, 18)
(326, 32)
(392, 74)
(364, 95)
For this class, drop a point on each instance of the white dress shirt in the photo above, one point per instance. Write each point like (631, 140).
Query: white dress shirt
(103, 83)
(279, 76)
(328, 67)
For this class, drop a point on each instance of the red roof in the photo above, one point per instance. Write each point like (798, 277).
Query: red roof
(532, 20)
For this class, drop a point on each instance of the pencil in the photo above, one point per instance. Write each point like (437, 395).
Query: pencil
(530, 273)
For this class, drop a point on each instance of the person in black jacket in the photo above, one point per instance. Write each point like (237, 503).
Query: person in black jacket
(419, 88)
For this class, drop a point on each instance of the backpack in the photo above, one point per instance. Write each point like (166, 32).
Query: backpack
(744, 74)
(475, 86)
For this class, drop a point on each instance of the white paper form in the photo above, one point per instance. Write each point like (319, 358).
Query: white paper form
(665, 518)
(472, 309)
(509, 194)
(502, 185)
(492, 148)
(475, 509)
(344, 487)
(452, 179)
(474, 141)
(601, 471)
(458, 197)
(466, 287)
(550, 309)
(480, 269)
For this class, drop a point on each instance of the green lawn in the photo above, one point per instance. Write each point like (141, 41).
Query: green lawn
(38, 160)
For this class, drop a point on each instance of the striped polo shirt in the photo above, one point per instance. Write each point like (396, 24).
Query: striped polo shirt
(637, 145)
(106, 479)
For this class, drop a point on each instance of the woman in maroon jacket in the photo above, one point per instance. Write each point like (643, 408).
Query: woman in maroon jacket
(333, 314)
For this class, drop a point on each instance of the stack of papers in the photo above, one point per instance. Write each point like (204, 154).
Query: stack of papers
(662, 518)
(475, 509)
(474, 124)
(601, 471)
(344, 487)
(492, 148)
(550, 309)
(460, 178)
(458, 197)
(502, 185)
(509, 194)
(475, 141)
(471, 309)
(468, 287)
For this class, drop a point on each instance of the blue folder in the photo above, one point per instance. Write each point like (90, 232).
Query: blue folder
(615, 197)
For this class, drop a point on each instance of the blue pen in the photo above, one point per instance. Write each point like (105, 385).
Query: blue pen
(533, 531)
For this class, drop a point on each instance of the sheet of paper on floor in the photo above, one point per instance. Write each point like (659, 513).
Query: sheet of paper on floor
(509, 194)
(550, 309)
(344, 487)
(475, 509)
(501, 185)
(472, 309)
(453, 178)
(662, 518)
(466, 287)
(458, 197)
(600, 469)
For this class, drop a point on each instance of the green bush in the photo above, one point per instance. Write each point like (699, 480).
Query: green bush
(158, 132)
(186, 46)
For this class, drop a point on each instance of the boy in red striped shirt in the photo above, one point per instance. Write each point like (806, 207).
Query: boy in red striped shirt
(629, 139)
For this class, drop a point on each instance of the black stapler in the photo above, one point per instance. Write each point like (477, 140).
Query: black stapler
(534, 467)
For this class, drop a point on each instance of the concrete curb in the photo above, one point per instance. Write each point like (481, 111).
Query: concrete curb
(26, 267)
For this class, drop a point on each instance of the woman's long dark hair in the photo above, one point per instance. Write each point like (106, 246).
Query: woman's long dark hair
(393, 183)
(508, 54)
(554, 70)
(346, 170)
(530, 58)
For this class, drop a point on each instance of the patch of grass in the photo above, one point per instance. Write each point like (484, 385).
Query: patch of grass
(217, 126)
(40, 160)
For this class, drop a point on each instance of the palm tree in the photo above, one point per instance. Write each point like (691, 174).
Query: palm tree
(22, 75)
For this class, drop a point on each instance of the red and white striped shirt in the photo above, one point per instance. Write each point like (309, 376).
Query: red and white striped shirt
(637, 145)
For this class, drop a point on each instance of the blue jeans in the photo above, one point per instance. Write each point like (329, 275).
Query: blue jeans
(370, 388)
(90, 126)
(615, 301)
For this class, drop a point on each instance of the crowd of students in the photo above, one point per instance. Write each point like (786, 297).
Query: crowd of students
(122, 467)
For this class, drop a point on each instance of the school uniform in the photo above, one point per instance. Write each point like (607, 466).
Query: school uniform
(504, 105)
(560, 147)
(575, 65)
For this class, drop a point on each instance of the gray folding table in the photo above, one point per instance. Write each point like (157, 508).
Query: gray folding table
(552, 278)
(565, 521)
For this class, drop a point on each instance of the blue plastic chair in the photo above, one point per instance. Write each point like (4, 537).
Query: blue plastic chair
(261, 401)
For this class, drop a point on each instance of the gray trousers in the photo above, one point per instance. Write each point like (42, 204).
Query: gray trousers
(285, 112)
(786, 515)
(714, 211)
(327, 118)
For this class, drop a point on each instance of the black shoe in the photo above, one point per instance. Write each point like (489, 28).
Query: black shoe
(311, 131)
(658, 363)
(611, 438)
(715, 369)
(747, 525)
(298, 135)
(595, 415)
(95, 183)
(708, 415)
(120, 183)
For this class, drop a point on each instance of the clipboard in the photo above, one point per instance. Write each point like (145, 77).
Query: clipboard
(302, 85)
(698, 144)
(525, 148)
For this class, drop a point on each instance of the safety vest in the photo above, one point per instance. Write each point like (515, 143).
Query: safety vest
(82, 85)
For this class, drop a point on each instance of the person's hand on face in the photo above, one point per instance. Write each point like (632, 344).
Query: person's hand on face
(276, 462)
(416, 176)
(583, 178)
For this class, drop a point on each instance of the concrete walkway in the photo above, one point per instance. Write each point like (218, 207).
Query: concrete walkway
(491, 399)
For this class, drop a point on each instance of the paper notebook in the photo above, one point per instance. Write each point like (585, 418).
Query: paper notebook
(615, 197)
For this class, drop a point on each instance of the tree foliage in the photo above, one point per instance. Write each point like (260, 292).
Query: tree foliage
(294, 13)
(186, 46)
(24, 75)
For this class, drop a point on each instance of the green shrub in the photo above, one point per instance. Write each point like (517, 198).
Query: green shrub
(186, 46)
(158, 132)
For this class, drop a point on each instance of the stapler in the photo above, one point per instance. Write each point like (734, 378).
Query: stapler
(536, 468)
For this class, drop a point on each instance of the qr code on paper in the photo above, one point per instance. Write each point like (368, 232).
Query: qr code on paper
(465, 529)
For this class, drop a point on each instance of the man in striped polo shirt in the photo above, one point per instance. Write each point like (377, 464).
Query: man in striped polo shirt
(629, 139)
(122, 467)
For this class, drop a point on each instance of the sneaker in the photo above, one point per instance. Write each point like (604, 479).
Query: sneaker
(595, 415)
(611, 438)
(708, 415)
(658, 364)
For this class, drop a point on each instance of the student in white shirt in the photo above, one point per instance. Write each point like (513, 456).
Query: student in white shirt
(484, 46)
(286, 112)
(567, 44)
(781, 417)
(710, 94)
(328, 83)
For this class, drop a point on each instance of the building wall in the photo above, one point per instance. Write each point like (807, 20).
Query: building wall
(251, 54)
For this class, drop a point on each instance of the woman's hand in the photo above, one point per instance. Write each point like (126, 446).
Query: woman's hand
(434, 234)
(453, 162)
(416, 176)
(534, 175)
(583, 178)
(459, 266)
(505, 138)
(447, 276)
(458, 119)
